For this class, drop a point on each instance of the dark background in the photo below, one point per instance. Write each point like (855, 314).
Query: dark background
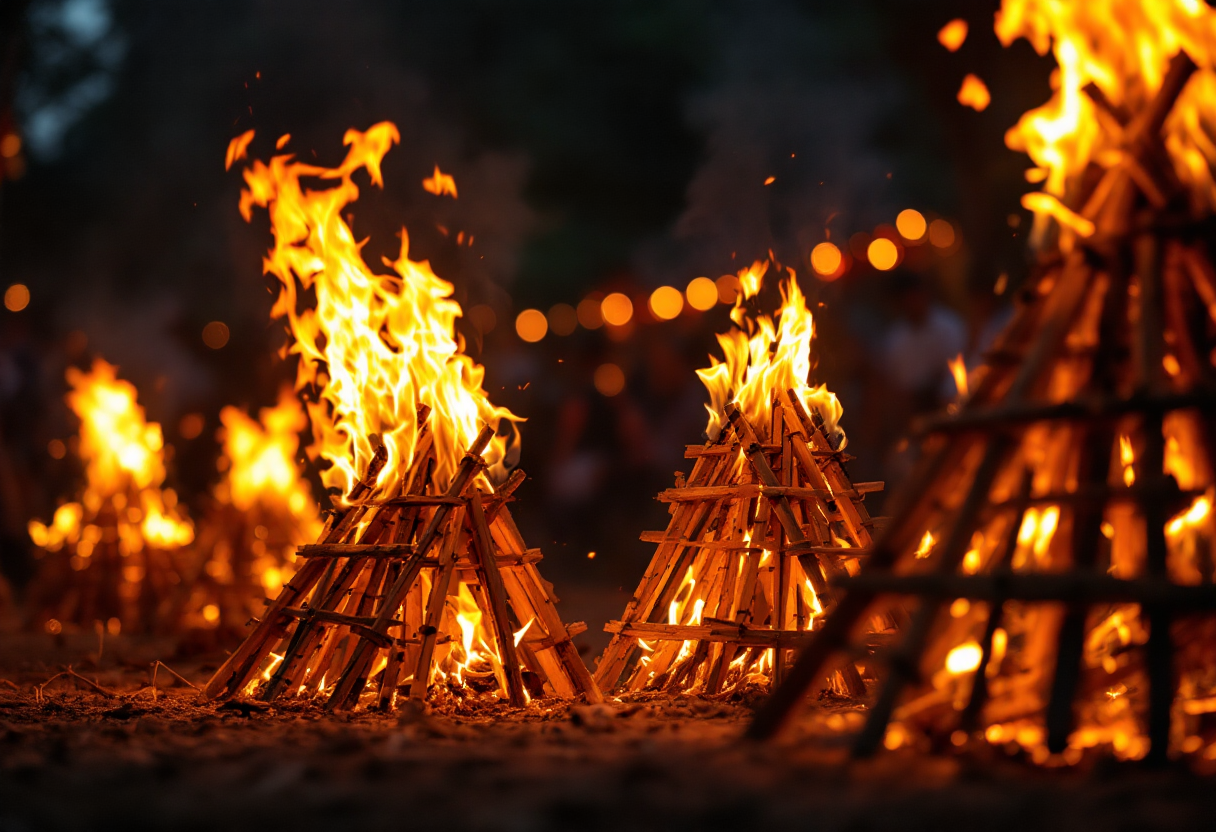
(597, 147)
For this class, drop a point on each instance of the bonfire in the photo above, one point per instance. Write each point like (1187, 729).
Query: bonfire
(112, 558)
(767, 517)
(420, 583)
(1065, 600)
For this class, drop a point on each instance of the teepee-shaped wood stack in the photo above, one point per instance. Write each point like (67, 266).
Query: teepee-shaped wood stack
(1070, 501)
(741, 574)
(374, 609)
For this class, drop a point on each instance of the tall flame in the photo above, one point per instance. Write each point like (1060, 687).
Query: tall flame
(124, 462)
(373, 346)
(1123, 48)
(260, 459)
(263, 480)
(763, 356)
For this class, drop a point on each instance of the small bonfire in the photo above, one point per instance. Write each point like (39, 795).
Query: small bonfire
(765, 521)
(114, 557)
(419, 584)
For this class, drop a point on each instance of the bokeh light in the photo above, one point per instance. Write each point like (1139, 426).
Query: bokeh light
(974, 94)
(826, 260)
(702, 294)
(16, 297)
(617, 309)
(531, 325)
(482, 318)
(728, 288)
(215, 335)
(609, 379)
(666, 302)
(911, 224)
(941, 233)
(191, 425)
(953, 34)
(10, 145)
(563, 320)
(882, 254)
(589, 313)
(56, 449)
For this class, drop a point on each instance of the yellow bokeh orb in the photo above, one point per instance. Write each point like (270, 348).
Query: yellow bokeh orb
(826, 259)
(666, 302)
(911, 224)
(882, 254)
(531, 325)
(617, 309)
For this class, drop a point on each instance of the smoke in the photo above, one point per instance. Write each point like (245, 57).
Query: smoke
(790, 98)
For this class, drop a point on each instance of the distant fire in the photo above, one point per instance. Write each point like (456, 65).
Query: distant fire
(117, 538)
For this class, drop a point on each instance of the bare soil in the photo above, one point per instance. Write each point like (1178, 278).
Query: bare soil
(77, 758)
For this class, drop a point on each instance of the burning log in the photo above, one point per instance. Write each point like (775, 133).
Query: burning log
(114, 557)
(767, 518)
(1065, 598)
(262, 511)
(420, 583)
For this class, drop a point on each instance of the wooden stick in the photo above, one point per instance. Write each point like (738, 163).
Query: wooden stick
(486, 565)
(354, 675)
(440, 591)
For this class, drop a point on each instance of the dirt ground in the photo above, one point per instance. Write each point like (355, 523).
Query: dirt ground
(75, 758)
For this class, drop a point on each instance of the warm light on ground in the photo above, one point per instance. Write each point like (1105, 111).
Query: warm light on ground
(911, 224)
(609, 379)
(617, 309)
(882, 254)
(826, 260)
(702, 294)
(666, 302)
(531, 325)
(16, 297)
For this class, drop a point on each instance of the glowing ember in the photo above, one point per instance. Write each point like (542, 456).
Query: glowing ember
(439, 184)
(974, 94)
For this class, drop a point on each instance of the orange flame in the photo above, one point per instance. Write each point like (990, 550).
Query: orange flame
(763, 356)
(974, 93)
(124, 467)
(374, 346)
(439, 184)
(1123, 48)
(262, 477)
(958, 369)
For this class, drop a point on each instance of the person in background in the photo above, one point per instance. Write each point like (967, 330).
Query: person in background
(917, 348)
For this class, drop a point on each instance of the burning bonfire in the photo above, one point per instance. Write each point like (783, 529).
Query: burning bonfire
(767, 518)
(263, 510)
(1056, 551)
(114, 556)
(420, 583)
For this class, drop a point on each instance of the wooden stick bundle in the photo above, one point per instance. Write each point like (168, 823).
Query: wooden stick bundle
(1070, 498)
(380, 605)
(759, 530)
